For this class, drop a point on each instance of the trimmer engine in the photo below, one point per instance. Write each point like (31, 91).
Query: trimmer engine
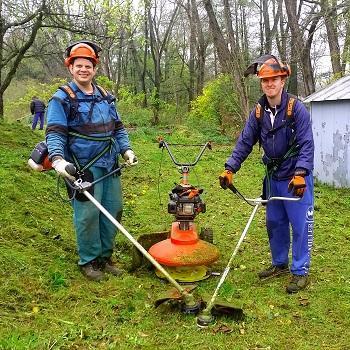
(185, 203)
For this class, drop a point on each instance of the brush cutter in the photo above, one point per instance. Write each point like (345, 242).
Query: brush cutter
(185, 253)
(212, 309)
(182, 295)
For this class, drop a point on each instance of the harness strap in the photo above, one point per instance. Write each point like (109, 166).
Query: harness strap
(293, 150)
(74, 101)
(69, 91)
(274, 164)
(74, 105)
(258, 110)
(103, 92)
(98, 156)
(290, 106)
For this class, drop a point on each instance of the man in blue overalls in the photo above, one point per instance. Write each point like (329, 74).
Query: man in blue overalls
(282, 125)
(37, 108)
(85, 129)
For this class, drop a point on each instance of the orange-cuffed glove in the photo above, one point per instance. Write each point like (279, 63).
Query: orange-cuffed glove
(226, 178)
(297, 184)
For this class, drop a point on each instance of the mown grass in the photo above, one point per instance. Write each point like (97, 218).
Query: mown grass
(45, 303)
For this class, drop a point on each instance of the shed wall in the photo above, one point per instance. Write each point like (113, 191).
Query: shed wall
(331, 128)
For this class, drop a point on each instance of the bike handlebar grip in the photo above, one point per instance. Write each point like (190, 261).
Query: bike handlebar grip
(71, 169)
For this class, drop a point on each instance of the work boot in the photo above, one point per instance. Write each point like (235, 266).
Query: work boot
(108, 266)
(273, 271)
(297, 283)
(92, 271)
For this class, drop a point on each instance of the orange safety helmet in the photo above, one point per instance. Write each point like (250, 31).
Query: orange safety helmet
(268, 66)
(84, 49)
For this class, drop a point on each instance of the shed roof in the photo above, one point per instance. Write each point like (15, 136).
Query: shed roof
(339, 90)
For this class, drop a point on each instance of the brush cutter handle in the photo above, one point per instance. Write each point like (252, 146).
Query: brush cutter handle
(71, 169)
(260, 201)
(164, 144)
(84, 185)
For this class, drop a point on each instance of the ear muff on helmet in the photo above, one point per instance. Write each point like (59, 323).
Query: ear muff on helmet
(268, 66)
(84, 49)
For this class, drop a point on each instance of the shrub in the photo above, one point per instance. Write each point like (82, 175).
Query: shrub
(18, 109)
(217, 108)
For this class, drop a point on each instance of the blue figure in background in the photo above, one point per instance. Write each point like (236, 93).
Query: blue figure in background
(37, 108)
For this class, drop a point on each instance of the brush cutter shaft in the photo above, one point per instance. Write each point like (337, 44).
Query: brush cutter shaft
(257, 201)
(134, 241)
(228, 267)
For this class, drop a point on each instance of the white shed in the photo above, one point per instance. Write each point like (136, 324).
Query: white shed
(330, 114)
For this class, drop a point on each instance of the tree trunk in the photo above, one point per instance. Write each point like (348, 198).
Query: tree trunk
(346, 48)
(330, 19)
(300, 50)
(201, 48)
(191, 63)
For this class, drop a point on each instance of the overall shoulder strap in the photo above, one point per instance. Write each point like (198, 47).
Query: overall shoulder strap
(69, 91)
(102, 91)
(73, 102)
(105, 94)
(290, 106)
(258, 108)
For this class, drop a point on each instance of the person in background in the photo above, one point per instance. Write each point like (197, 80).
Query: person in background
(84, 128)
(282, 126)
(37, 108)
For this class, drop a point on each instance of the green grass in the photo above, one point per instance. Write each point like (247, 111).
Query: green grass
(45, 303)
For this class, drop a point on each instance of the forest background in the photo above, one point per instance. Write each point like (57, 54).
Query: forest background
(172, 61)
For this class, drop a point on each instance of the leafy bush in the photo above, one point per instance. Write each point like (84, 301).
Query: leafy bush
(130, 107)
(105, 82)
(217, 108)
(18, 108)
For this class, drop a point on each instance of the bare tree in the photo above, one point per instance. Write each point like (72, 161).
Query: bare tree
(229, 53)
(17, 34)
(302, 40)
(270, 33)
(158, 43)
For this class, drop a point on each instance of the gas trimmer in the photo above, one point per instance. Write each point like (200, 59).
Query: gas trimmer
(207, 316)
(184, 252)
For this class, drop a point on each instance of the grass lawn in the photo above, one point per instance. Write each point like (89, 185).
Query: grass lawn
(45, 303)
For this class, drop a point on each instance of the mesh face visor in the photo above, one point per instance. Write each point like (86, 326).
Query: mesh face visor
(93, 45)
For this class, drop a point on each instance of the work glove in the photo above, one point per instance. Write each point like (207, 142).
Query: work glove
(129, 157)
(297, 185)
(226, 178)
(61, 166)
